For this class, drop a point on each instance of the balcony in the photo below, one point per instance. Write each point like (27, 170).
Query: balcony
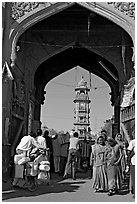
(82, 123)
(82, 98)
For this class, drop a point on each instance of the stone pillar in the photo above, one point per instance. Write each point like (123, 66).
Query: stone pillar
(6, 90)
(116, 125)
(6, 107)
(37, 111)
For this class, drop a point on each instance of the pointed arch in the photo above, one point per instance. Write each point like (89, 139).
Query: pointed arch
(101, 8)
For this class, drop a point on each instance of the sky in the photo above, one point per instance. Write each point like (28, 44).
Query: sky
(58, 109)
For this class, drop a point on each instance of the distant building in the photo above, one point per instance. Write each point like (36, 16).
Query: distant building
(82, 109)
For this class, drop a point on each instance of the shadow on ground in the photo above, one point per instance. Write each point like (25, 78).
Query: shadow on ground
(57, 186)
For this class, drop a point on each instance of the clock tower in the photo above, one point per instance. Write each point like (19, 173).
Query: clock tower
(82, 110)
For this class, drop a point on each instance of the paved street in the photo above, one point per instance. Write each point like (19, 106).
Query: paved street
(68, 190)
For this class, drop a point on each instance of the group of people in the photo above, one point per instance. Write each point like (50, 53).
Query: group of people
(109, 158)
(57, 148)
(28, 146)
(109, 162)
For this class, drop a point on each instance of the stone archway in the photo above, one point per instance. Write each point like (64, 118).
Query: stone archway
(40, 11)
(71, 28)
(28, 53)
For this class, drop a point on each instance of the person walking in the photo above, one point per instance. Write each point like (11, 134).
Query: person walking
(42, 141)
(27, 143)
(85, 152)
(73, 148)
(122, 145)
(104, 135)
(64, 148)
(50, 151)
(40, 138)
(98, 163)
(112, 159)
(56, 154)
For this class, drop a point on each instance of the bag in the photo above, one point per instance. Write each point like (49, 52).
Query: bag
(18, 157)
(23, 160)
(42, 176)
(19, 170)
(44, 167)
(45, 162)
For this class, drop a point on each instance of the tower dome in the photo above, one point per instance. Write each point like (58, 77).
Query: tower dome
(82, 83)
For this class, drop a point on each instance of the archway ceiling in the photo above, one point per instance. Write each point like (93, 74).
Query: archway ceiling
(78, 24)
(76, 16)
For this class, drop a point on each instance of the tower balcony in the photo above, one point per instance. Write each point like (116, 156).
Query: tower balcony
(82, 111)
(82, 88)
(84, 115)
(85, 97)
(82, 128)
(82, 123)
(81, 100)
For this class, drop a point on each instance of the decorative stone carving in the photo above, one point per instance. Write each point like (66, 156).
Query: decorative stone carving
(127, 93)
(21, 8)
(126, 7)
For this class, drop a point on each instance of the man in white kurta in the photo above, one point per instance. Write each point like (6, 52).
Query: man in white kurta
(26, 144)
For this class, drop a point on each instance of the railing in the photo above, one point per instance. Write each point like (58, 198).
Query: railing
(82, 110)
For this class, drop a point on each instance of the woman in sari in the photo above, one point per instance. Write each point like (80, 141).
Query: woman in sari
(99, 170)
(123, 146)
(113, 158)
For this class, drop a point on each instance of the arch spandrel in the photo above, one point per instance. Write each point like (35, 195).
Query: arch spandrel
(43, 10)
(123, 14)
